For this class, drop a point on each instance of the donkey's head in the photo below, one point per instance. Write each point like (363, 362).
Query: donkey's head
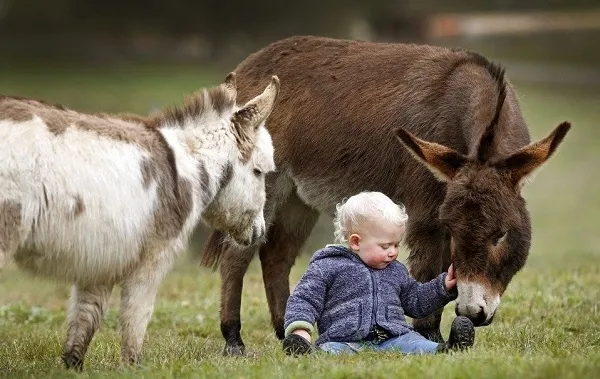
(237, 208)
(485, 216)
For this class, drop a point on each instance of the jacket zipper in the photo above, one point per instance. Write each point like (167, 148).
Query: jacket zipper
(374, 322)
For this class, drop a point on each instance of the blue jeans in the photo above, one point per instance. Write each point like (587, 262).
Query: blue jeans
(409, 343)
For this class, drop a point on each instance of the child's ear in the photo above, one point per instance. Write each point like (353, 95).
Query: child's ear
(354, 241)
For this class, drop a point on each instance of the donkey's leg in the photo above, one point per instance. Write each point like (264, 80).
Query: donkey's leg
(86, 311)
(10, 225)
(234, 264)
(138, 295)
(291, 228)
(428, 248)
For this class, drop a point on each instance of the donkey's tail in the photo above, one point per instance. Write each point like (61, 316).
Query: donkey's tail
(217, 243)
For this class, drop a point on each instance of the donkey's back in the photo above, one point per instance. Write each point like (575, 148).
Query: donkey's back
(339, 91)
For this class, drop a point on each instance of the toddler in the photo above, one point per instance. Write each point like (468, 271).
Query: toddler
(358, 293)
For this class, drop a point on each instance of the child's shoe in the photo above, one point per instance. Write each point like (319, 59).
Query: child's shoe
(293, 344)
(462, 334)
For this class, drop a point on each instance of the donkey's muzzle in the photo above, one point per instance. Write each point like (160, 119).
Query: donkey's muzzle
(476, 302)
(252, 236)
(478, 317)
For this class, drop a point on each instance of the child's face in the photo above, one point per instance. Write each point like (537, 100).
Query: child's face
(377, 244)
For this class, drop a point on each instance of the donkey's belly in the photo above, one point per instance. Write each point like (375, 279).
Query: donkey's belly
(81, 250)
(324, 179)
(70, 267)
(323, 194)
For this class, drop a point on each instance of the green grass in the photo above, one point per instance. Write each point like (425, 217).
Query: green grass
(547, 326)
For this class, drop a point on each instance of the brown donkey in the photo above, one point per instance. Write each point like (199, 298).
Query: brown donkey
(340, 114)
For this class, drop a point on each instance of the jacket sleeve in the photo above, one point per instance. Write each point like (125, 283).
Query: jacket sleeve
(421, 299)
(305, 304)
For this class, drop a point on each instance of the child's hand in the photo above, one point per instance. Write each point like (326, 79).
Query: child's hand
(450, 281)
(302, 333)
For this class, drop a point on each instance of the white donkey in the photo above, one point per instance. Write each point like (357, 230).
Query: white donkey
(99, 200)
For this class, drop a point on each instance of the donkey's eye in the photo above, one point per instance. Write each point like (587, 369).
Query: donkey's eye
(257, 172)
(499, 238)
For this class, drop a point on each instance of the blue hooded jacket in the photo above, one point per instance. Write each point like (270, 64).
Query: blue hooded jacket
(346, 298)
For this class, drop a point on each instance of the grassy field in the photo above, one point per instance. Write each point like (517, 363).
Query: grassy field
(548, 324)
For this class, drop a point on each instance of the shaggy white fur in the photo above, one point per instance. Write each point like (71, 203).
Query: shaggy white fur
(99, 200)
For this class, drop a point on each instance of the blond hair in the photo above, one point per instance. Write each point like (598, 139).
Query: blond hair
(365, 207)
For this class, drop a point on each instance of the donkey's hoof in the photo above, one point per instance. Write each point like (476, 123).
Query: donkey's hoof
(280, 332)
(234, 350)
(73, 362)
(433, 334)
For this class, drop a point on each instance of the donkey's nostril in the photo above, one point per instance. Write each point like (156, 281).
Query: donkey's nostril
(489, 321)
(479, 319)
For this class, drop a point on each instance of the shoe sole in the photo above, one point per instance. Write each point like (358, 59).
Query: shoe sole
(296, 345)
(463, 332)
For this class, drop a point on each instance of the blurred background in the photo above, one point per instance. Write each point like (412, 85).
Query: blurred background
(137, 56)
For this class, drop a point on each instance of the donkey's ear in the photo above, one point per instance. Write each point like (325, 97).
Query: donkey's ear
(522, 163)
(442, 161)
(230, 86)
(254, 112)
(246, 120)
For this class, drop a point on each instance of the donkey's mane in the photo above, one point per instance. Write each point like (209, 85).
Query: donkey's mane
(497, 72)
(216, 99)
(32, 101)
